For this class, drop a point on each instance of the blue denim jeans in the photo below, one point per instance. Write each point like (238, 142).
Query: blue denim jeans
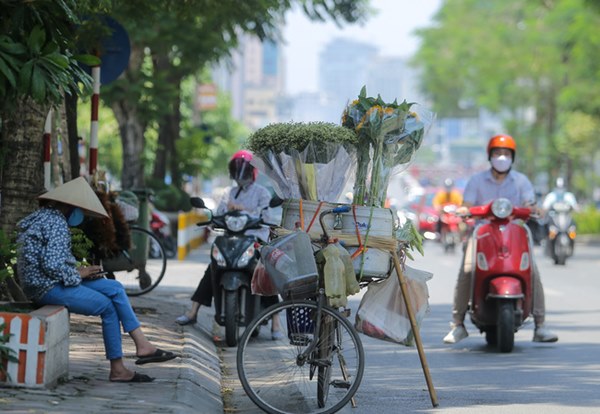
(103, 297)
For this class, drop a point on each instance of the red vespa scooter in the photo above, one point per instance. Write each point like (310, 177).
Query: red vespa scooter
(501, 290)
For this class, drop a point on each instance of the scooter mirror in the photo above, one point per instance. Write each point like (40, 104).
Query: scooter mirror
(197, 202)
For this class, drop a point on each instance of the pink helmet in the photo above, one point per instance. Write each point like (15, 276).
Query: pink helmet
(240, 167)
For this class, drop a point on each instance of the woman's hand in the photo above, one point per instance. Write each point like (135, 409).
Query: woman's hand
(89, 272)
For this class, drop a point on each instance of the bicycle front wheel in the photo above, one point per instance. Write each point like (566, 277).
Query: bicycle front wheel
(279, 376)
(145, 263)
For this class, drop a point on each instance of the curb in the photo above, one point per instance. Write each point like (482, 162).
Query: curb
(199, 384)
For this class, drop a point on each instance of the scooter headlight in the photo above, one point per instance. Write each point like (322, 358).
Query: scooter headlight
(236, 223)
(246, 256)
(502, 208)
(215, 253)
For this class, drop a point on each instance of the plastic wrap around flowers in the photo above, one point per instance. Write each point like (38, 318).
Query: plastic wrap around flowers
(311, 161)
(388, 135)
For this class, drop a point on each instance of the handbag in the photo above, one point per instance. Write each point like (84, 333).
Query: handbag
(382, 311)
(261, 283)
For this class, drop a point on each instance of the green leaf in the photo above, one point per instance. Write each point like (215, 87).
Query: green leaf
(25, 77)
(50, 49)
(8, 73)
(57, 59)
(15, 64)
(363, 92)
(12, 47)
(38, 84)
(89, 60)
(36, 39)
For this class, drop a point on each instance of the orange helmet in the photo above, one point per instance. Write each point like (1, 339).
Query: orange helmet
(502, 141)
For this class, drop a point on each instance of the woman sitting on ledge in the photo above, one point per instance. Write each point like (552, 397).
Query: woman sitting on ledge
(49, 276)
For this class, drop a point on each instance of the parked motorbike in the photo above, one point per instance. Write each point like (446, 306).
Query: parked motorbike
(452, 228)
(234, 256)
(561, 232)
(160, 225)
(501, 294)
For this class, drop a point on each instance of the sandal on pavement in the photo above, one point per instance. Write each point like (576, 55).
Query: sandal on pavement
(185, 320)
(276, 335)
(158, 356)
(137, 377)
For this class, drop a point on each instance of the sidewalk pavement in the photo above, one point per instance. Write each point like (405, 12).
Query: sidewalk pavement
(190, 383)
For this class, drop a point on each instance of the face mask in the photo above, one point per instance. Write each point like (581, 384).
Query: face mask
(76, 217)
(501, 163)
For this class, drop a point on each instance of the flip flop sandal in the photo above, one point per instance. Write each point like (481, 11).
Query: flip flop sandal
(158, 356)
(185, 320)
(137, 377)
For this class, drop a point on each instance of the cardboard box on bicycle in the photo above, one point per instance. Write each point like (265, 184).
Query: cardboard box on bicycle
(370, 221)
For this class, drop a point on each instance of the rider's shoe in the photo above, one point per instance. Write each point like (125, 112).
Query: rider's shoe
(185, 320)
(542, 334)
(458, 333)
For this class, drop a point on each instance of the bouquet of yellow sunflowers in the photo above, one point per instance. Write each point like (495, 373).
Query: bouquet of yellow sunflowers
(388, 136)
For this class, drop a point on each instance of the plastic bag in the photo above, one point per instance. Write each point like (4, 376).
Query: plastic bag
(261, 283)
(382, 312)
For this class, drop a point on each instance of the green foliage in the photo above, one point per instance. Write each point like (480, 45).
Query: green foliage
(36, 59)
(205, 149)
(8, 256)
(410, 239)
(507, 56)
(168, 197)
(110, 151)
(288, 136)
(81, 245)
(588, 220)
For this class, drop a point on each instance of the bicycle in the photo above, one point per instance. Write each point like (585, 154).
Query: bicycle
(316, 368)
(140, 268)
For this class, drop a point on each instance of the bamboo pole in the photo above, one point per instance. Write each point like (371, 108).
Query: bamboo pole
(415, 328)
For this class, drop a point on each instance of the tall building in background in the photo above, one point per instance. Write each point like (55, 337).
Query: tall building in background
(254, 78)
(344, 69)
(345, 66)
(392, 78)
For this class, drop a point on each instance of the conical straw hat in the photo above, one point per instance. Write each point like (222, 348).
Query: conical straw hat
(77, 193)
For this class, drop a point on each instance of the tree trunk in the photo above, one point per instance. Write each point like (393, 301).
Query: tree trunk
(167, 153)
(21, 166)
(21, 171)
(169, 130)
(73, 134)
(132, 139)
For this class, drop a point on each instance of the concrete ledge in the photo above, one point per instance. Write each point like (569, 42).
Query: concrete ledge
(202, 371)
(40, 341)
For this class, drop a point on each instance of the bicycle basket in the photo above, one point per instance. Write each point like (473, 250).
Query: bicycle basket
(299, 325)
(290, 262)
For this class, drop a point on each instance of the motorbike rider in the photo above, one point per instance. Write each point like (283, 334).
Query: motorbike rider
(499, 181)
(445, 196)
(560, 193)
(251, 198)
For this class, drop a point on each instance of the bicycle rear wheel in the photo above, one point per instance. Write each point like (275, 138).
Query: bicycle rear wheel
(276, 378)
(137, 270)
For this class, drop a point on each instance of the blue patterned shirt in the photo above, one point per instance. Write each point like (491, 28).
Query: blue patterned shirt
(44, 253)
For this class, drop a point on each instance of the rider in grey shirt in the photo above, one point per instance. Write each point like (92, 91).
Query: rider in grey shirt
(499, 181)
